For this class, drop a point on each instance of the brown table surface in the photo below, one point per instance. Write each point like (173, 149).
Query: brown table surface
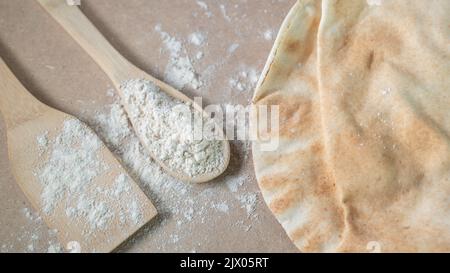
(57, 71)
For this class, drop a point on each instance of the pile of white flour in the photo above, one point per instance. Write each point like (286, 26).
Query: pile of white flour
(70, 164)
(166, 126)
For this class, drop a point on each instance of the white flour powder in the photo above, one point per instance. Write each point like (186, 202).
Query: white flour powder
(165, 125)
(180, 72)
(374, 2)
(268, 35)
(197, 38)
(232, 48)
(97, 213)
(71, 163)
(42, 141)
(122, 186)
(223, 10)
(245, 80)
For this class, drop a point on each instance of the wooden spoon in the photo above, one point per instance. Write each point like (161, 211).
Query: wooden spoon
(26, 119)
(119, 70)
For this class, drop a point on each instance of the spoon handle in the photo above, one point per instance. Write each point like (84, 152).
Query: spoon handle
(90, 39)
(17, 105)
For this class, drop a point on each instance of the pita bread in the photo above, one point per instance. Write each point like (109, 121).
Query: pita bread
(364, 155)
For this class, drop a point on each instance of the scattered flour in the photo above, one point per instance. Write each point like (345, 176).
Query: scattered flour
(30, 236)
(71, 162)
(204, 7)
(233, 48)
(233, 185)
(133, 213)
(268, 35)
(30, 248)
(179, 71)
(374, 2)
(199, 55)
(113, 125)
(54, 248)
(72, 165)
(42, 141)
(166, 127)
(110, 93)
(197, 38)
(223, 10)
(222, 207)
(249, 202)
(189, 214)
(122, 186)
(98, 214)
(174, 238)
(386, 91)
(28, 213)
(245, 80)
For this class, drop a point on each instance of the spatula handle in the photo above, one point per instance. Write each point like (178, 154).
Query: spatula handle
(17, 105)
(90, 39)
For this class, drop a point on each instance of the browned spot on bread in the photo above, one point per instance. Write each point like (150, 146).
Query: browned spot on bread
(420, 137)
(370, 59)
(293, 46)
(286, 201)
(297, 114)
(301, 50)
(317, 148)
(300, 233)
(273, 182)
(360, 49)
(325, 185)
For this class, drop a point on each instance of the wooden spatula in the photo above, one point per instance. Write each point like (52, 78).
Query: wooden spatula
(27, 119)
(119, 70)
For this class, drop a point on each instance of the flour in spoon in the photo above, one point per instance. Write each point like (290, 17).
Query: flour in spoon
(166, 126)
